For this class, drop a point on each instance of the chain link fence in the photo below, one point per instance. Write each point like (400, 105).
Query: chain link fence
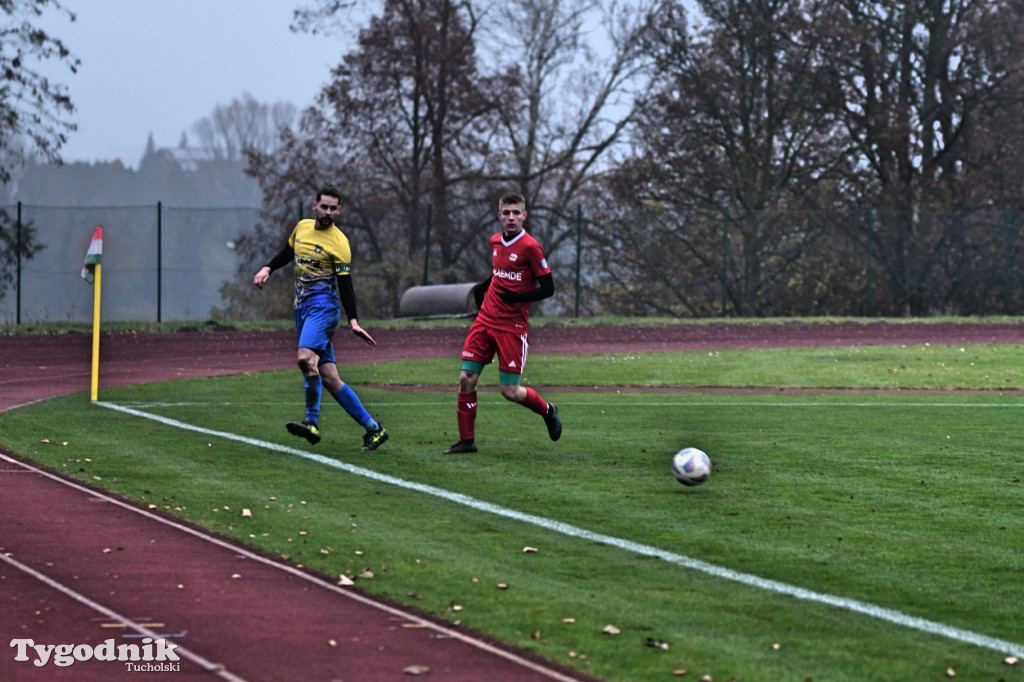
(159, 263)
(165, 264)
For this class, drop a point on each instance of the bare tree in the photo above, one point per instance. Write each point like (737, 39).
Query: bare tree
(741, 125)
(34, 111)
(925, 85)
(243, 125)
(403, 131)
(582, 71)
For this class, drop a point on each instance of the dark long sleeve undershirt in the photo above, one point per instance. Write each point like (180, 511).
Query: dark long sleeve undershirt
(347, 294)
(283, 258)
(545, 288)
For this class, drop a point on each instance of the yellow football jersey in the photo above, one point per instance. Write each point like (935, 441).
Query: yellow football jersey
(320, 256)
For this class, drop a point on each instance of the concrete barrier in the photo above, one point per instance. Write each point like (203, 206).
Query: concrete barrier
(438, 300)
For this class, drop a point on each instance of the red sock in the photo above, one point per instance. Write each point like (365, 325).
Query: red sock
(467, 415)
(535, 402)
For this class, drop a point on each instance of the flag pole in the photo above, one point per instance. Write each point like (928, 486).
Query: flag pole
(94, 392)
(91, 273)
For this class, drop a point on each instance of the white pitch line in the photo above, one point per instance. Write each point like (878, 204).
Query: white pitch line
(639, 405)
(208, 666)
(705, 403)
(853, 605)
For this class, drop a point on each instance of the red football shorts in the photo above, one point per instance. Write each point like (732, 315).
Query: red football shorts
(483, 343)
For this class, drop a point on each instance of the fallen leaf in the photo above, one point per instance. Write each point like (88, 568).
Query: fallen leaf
(611, 630)
(679, 672)
(416, 670)
(246, 513)
(366, 575)
(1012, 660)
(456, 607)
(502, 586)
(569, 621)
(950, 672)
(529, 550)
(345, 580)
(656, 643)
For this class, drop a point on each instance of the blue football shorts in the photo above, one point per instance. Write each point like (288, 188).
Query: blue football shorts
(316, 322)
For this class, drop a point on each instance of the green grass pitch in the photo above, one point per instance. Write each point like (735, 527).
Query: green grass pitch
(840, 537)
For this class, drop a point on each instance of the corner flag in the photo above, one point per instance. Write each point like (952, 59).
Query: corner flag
(94, 257)
(92, 272)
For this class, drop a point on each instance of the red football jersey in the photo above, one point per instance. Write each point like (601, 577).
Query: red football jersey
(515, 266)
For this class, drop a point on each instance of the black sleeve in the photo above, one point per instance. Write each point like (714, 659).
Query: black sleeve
(480, 290)
(283, 258)
(545, 288)
(347, 294)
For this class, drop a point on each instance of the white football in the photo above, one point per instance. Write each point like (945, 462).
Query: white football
(691, 466)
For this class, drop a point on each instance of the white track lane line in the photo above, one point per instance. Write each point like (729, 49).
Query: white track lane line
(355, 596)
(182, 651)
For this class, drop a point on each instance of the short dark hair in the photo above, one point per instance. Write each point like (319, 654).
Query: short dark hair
(330, 191)
(509, 198)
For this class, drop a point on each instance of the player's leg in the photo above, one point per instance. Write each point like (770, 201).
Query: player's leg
(466, 410)
(315, 326)
(375, 434)
(512, 352)
(309, 427)
(477, 351)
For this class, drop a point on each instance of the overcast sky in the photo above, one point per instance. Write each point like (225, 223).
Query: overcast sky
(158, 66)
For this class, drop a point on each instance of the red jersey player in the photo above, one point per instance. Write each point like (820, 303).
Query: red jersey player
(519, 276)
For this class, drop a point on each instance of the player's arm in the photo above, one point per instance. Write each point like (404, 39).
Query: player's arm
(480, 290)
(283, 257)
(347, 295)
(545, 289)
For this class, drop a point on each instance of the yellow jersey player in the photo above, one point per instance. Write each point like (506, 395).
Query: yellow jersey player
(323, 286)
